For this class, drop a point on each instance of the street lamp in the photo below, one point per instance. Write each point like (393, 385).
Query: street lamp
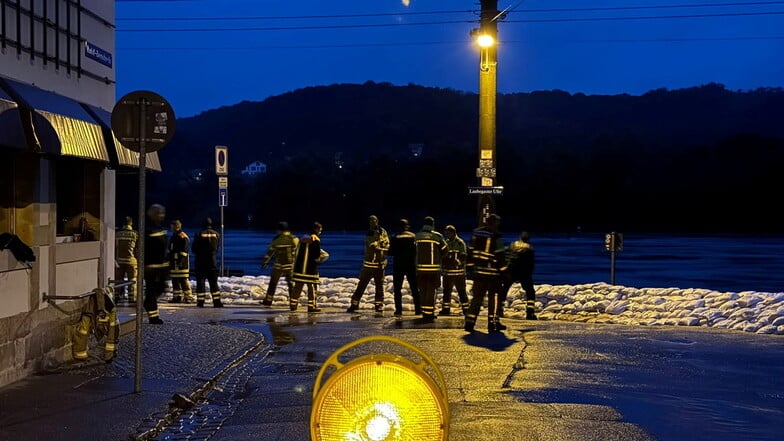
(486, 36)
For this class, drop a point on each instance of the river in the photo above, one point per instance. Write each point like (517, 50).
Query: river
(720, 262)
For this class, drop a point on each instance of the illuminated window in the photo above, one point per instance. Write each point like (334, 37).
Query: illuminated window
(18, 177)
(80, 198)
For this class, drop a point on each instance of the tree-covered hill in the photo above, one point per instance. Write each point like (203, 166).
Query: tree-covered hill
(698, 159)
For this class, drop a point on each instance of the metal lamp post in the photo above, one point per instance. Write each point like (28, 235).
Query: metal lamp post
(486, 38)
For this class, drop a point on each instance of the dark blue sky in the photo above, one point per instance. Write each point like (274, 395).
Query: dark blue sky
(251, 49)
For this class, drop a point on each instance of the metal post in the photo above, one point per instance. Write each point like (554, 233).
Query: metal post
(137, 383)
(488, 60)
(612, 266)
(222, 241)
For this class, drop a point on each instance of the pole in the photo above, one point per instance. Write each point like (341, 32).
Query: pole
(137, 382)
(488, 60)
(612, 267)
(222, 242)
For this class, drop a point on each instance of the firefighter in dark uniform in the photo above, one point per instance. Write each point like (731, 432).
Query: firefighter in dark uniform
(309, 256)
(282, 250)
(521, 269)
(179, 264)
(373, 266)
(205, 249)
(486, 259)
(156, 261)
(126, 250)
(430, 248)
(454, 274)
(403, 251)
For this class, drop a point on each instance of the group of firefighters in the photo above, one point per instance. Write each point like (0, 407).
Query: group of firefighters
(427, 259)
(167, 258)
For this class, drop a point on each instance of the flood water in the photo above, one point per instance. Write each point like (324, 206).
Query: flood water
(724, 263)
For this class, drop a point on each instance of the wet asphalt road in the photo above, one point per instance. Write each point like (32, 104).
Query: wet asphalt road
(536, 381)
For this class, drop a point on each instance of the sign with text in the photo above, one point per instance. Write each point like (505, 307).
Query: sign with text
(486, 190)
(223, 182)
(613, 241)
(221, 160)
(94, 52)
(143, 118)
(223, 197)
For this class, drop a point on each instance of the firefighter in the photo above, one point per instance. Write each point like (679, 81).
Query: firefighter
(156, 262)
(309, 256)
(430, 248)
(486, 259)
(179, 264)
(126, 250)
(373, 265)
(403, 251)
(205, 249)
(454, 274)
(520, 269)
(282, 250)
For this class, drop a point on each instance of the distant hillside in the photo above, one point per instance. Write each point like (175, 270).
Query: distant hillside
(564, 159)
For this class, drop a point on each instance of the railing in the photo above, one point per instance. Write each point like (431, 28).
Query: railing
(112, 284)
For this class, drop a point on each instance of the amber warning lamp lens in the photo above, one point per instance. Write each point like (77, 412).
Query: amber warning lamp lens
(380, 397)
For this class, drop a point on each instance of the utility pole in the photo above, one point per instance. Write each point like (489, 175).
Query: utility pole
(487, 38)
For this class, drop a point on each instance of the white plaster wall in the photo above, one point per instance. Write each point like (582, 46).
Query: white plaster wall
(47, 77)
(14, 290)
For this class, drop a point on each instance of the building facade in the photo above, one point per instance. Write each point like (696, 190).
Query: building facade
(58, 160)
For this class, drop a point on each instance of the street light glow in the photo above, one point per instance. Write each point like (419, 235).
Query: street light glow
(485, 40)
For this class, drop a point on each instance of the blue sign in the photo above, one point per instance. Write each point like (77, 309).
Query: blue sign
(97, 54)
(223, 197)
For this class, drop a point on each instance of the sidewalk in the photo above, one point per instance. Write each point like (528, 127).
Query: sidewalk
(97, 401)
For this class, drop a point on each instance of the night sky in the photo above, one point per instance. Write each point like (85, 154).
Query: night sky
(204, 54)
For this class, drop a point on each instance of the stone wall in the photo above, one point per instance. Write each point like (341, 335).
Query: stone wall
(31, 341)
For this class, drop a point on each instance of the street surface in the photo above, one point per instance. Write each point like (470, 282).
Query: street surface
(537, 381)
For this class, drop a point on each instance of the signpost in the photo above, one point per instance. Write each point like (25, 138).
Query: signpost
(142, 121)
(222, 170)
(613, 242)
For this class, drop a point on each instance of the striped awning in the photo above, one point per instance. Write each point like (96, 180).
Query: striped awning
(11, 129)
(61, 125)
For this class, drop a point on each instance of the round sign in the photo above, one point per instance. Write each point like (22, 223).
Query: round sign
(143, 118)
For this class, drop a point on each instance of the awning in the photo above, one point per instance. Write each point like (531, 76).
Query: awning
(119, 155)
(61, 125)
(11, 129)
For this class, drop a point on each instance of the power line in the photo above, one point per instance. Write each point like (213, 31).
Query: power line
(298, 28)
(294, 17)
(463, 11)
(631, 8)
(377, 25)
(645, 17)
(433, 43)
(458, 11)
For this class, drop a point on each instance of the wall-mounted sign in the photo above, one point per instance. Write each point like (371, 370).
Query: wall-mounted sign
(94, 52)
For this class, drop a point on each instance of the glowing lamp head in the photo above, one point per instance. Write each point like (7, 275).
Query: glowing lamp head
(378, 397)
(485, 40)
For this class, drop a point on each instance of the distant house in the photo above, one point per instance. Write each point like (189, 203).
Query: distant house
(255, 168)
(415, 150)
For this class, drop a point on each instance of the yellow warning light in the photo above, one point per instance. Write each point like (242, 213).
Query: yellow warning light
(380, 397)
